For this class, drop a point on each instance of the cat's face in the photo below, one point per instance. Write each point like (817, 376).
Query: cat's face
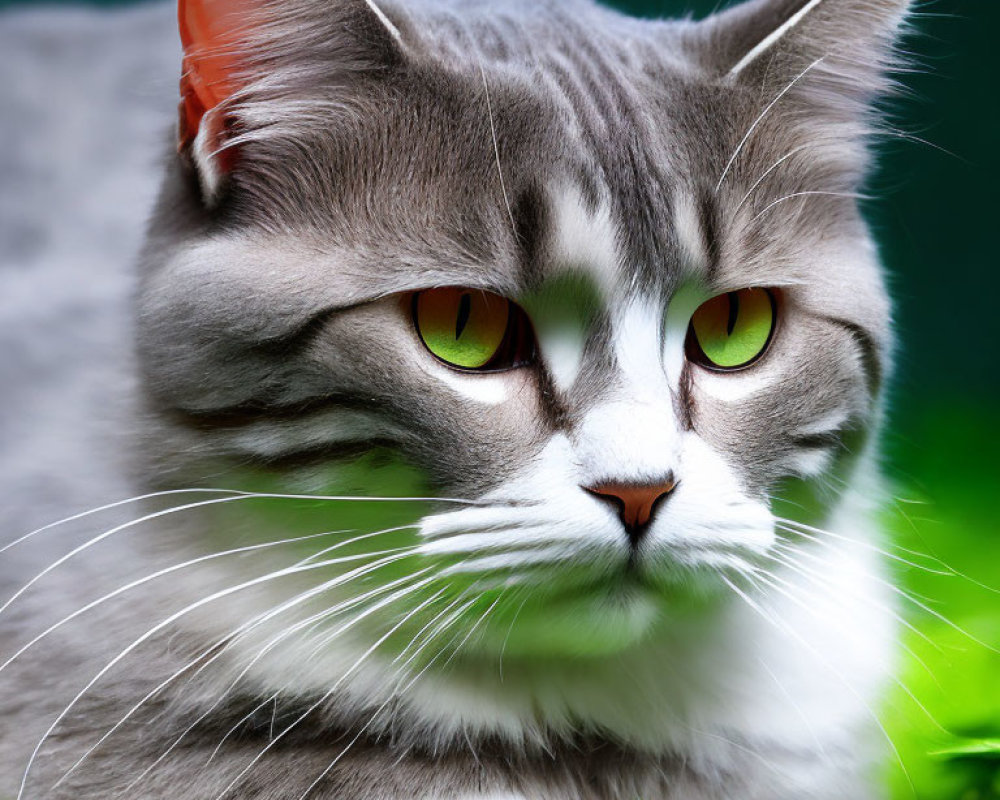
(648, 238)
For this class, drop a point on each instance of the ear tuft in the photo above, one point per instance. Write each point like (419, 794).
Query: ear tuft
(772, 41)
(211, 32)
(253, 71)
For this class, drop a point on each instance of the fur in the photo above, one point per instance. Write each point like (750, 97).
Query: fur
(269, 619)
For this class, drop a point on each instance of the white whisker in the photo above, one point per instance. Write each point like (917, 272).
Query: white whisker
(794, 195)
(767, 172)
(816, 534)
(434, 620)
(756, 122)
(162, 573)
(506, 638)
(166, 623)
(201, 490)
(321, 616)
(188, 506)
(937, 615)
(108, 507)
(798, 709)
(392, 694)
(326, 696)
(806, 572)
(779, 625)
(273, 642)
(496, 150)
(220, 646)
(773, 581)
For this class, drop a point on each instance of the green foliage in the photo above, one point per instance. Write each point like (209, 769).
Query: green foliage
(950, 748)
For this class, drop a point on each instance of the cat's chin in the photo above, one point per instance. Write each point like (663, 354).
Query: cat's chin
(596, 620)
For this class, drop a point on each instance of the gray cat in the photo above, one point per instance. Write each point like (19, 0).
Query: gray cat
(501, 418)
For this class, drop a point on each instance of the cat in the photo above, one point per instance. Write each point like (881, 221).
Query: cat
(501, 422)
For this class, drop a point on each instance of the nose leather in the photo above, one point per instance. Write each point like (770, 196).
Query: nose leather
(636, 503)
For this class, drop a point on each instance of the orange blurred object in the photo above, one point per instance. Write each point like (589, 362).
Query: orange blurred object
(209, 34)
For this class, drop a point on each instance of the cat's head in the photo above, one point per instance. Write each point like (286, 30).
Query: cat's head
(601, 284)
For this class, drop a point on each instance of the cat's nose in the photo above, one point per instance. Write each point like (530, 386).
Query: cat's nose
(635, 503)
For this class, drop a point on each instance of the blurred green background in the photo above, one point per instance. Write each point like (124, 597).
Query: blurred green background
(936, 216)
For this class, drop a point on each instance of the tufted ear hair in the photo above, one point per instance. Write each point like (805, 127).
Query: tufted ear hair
(232, 48)
(780, 38)
(213, 35)
(812, 67)
(841, 50)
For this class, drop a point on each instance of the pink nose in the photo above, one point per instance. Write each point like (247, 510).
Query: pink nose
(635, 503)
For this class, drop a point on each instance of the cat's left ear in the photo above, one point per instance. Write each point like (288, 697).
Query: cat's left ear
(840, 49)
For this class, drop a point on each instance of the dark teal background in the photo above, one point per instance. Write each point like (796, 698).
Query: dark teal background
(935, 212)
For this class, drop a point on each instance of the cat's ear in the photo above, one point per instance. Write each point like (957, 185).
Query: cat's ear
(842, 47)
(214, 36)
(231, 45)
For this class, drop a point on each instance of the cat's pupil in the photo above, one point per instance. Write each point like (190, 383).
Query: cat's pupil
(734, 312)
(464, 309)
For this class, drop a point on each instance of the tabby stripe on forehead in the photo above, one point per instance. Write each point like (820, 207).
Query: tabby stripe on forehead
(531, 222)
(708, 216)
(615, 134)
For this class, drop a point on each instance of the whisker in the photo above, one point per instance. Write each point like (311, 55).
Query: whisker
(108, 507)
(230, 492)
(273, 642)
(472, 630)
(773, 581)
(806, 572)
(767, 172)
(793, 195)
(320, 553)
(817, 534)
(325, 639)
(822, 583)
(188, 506)
(392, 694)
(798, 709)
(496, 149)
(770, 619)
(436, 618)
(937, 615)
(166, 623)
(949, 570)
(327, 695)
(506, 638)
(756, 122)
(323, 615)
(176, 568)
(220, 646)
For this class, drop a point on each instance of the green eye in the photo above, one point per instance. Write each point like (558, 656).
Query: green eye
(472, 329)
(732, 330)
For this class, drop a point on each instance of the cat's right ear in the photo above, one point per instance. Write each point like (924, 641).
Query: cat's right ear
(232, 46)
(214, 35)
